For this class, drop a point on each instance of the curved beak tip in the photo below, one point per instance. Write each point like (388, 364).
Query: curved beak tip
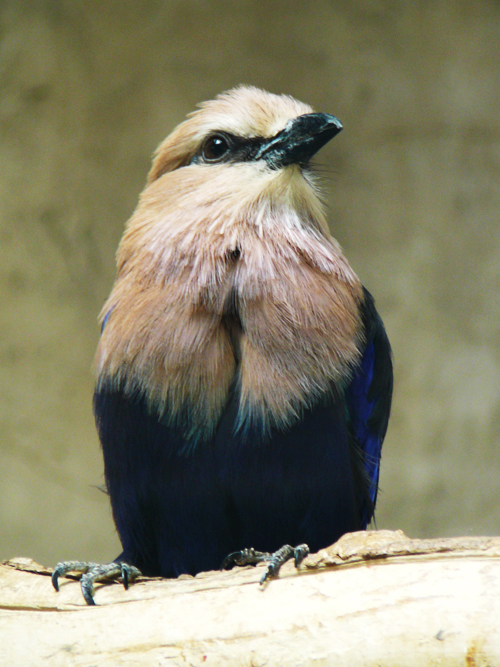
(337, 123)
(331, 123)
(300, 140)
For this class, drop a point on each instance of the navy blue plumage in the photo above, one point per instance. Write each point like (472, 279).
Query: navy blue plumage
(369, 401)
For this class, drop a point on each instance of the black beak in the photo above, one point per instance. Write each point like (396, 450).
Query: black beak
(300, 140)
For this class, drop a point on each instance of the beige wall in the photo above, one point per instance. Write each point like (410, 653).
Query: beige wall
(88, 89)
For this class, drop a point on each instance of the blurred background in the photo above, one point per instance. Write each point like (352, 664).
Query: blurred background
(88, 90)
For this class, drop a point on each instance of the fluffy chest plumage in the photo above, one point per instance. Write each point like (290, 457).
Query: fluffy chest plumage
(277, 318)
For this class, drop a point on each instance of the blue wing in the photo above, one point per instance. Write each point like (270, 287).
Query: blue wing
(369, 401)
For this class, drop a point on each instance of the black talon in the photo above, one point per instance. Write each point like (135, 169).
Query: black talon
(244, 557)
(300, 553)
(93, 573)
(230, 560)
(87, 586)
(275, 560)
(61, 569)
(125, 573)
(128, 574)
(280, 557)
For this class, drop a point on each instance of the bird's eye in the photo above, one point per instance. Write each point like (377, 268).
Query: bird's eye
(215, 148)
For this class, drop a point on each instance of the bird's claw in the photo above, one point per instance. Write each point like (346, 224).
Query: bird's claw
(244, 557)
(92, 573)
(280, 557)
(275, 560)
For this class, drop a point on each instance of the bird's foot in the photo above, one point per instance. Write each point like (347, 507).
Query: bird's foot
(93, 573)
(275, 560)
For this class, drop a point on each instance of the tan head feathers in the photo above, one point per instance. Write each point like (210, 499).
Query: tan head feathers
(245, 111)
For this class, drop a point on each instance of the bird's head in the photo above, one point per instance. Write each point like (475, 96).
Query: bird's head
(236, 170)
(246, 125)
(239, 161)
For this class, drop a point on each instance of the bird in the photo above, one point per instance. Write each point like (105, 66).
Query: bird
(243, 374)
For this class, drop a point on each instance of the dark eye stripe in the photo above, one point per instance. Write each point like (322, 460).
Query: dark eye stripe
(239, 149)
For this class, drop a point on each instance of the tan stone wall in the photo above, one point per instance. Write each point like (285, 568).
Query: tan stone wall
(87, 91)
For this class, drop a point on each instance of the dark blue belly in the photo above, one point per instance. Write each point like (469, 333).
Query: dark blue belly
(181, 509)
